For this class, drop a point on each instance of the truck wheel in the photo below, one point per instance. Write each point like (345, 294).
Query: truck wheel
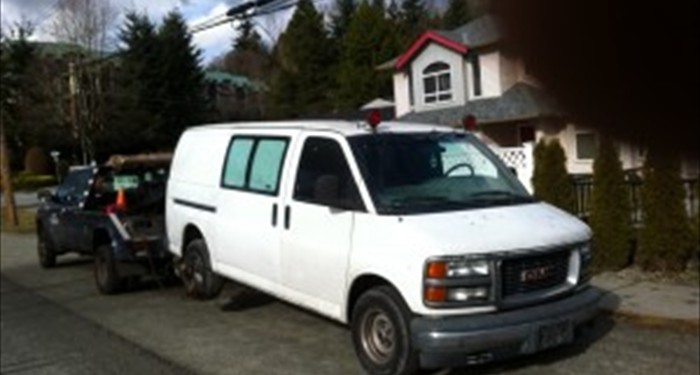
(199, 279)
(381, 335)
(106, 275)
(47, 257)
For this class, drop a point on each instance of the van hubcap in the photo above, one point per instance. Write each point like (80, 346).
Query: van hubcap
(378, 336)
(193, 272)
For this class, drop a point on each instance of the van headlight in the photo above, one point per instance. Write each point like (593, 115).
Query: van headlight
(457, 282)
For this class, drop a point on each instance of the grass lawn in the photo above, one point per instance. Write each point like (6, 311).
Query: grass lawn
(26, 221)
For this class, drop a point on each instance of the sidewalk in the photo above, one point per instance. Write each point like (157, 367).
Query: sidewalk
(650, 302)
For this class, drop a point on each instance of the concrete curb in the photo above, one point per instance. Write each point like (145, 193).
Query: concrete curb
(680, 325)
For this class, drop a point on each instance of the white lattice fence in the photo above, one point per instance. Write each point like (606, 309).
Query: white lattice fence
(519, 158)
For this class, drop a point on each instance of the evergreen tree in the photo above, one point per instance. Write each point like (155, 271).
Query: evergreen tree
(340, 19)
(369, 41)
(610, 210)
(17, 55)
(666, 239)
(457, 14)
(248, 39)
(134, 124)
(249, 56)
(550, 179)
(303, 59)
(414, 20)
(182, 87)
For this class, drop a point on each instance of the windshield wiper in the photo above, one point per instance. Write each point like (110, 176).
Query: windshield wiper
(500, 195)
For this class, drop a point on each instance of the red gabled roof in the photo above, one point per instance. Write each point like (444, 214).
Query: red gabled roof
(422, 41)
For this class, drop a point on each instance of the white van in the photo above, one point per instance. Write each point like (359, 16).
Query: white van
(416, 236)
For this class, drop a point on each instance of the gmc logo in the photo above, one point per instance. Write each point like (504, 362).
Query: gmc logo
(535, 274)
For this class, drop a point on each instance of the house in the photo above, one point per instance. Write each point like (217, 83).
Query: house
(446, 75)
(235, 97)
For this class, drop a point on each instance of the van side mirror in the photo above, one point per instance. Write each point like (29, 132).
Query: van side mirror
(513, 171)
(327, 191)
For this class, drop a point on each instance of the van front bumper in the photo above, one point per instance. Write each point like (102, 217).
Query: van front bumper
(465, 340)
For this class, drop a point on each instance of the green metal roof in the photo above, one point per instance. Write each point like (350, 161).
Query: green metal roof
(227, 78)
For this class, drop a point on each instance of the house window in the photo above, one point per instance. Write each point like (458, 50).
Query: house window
(437, 83)
(476, 76)
(586, 146)
(526, 133)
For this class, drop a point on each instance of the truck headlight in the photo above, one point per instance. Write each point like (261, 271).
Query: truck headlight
(457, 268)
(454, 282)
(467, 294)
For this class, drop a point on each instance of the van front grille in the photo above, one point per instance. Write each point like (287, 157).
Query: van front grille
(534, 272)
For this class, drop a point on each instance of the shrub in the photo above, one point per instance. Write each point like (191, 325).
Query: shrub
(37, 162)
(610, 210)
(28, 181)
(550, 179)
(666, 238)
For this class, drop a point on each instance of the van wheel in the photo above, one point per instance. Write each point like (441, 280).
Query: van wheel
(380, 331)
(47, 257)
(199, 279)
(106, 275)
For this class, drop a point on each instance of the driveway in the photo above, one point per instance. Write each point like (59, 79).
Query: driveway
(244, 332)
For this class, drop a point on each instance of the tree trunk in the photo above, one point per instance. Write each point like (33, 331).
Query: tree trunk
(10, 210)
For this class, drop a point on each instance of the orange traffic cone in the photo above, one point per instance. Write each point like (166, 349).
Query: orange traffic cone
(120, 204)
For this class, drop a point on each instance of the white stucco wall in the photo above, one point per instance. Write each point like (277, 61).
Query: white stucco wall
(434, 53)
(630, 155)
(510, 72)
(401, 93)
(490, 64)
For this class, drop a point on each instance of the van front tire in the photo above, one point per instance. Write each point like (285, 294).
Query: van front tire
(197, 275)
(380, 325)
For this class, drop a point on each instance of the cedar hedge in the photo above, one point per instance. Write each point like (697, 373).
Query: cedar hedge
(666, 240)
(550, 179)
(610, 210)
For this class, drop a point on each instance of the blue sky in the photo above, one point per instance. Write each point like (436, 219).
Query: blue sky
(212, 42)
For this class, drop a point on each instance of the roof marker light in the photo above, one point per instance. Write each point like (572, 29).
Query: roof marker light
(373, 119)
(469, 123)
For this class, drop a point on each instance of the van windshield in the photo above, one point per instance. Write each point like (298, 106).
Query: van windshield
(409, 173)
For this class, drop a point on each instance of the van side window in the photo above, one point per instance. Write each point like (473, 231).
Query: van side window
(237, 162)
(324, 177)
(267, 165)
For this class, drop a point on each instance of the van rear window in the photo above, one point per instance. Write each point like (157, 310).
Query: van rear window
(254, 163)
(237, 162)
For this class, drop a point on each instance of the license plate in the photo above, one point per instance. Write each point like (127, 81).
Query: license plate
(555, 334)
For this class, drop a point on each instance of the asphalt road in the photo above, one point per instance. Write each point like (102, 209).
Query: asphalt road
(245, 332)
(42, 337)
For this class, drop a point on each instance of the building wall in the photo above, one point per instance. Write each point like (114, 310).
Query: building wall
(434, 53)
(511, 72)
(401, 93)
(490, 74)
(631, 156)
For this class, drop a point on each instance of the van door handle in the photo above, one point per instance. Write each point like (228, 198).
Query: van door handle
(287, 217)
(274, 214)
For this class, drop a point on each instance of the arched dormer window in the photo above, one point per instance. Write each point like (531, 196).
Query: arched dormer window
(437, 83)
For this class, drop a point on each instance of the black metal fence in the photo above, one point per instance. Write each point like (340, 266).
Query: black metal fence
(584, 187)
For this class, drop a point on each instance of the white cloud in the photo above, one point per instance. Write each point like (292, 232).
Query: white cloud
(212, 42)
(216, 40)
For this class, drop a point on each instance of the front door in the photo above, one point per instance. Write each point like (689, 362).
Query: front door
(248, 218)
(318, 222)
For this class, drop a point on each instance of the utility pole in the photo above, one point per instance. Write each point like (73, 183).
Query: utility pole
(78, 129)
(10, 213)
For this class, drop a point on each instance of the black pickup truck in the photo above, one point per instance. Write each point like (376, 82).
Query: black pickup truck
(114, 212)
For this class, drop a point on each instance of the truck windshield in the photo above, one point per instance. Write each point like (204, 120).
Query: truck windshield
(410, 173)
